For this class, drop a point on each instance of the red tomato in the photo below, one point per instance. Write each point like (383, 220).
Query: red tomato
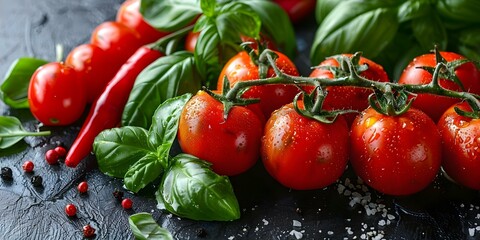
(348, 97)
(297, 10)
(461, 146)
(118, 40)
(241, 68)
(90, 61)
(396, 155)
(129, 14)
(56, 95)
(435, 105)
(302, 153)
(231, 145)
(192, 37)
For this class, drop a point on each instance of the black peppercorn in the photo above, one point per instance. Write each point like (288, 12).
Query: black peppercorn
(7, 174)
(37, 181)
(118, 194)
(201, 233)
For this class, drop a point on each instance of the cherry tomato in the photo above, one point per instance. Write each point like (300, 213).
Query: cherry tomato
(118, 40)
(461, 146)
(93, 66)
(302, 153)
(435, 105)
(297, 10)
(241, 68)
(396, 155)
(232, 145)
(56, 94)
(129, 14)
(349, 97)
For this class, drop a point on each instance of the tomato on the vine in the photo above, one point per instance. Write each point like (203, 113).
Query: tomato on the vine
(129, 14)
(302, 153)
(241, 68)
(349, 97)
(435, 105)
(461, 146)
(232, 145)
(297, 10)
(92, 64)
(118, 40)
(396, 155)
(56, 94)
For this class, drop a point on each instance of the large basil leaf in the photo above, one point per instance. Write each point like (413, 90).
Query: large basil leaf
(12, 131)
(324, 7)
(144, 227)
(468, 43)
(430, 31)
(144, 171)
(235, 19)
(170, 15)
(165, 78)
(411, 9)
(460, 10)
(14, 88)
(117, 149)
(352, 26)
(163, 130)
(276, 24)
(192, 190)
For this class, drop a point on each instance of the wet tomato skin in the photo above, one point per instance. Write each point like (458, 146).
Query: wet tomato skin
(461, 146)
(349, 97)
(56, 94)
(435, 105)
(396, 155)
(241, 68)
(302, 153)
(231, 145)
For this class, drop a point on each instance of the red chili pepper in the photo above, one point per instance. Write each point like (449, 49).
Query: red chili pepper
(107, 110)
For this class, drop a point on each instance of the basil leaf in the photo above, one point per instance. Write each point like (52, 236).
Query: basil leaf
(144, 171)
(430, 31)
(14, 88)
(165, 78)
(144, 227)
(117, 149)
(12, 131)
(192, 190)
(469, 43)
(163, 130)
(235, 19)
(324, 7)
(413, 9)
(352, 26)
(460, 10)
(276, 24)
(170, 15)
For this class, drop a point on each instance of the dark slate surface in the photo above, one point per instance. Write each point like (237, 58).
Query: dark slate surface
(269, 211)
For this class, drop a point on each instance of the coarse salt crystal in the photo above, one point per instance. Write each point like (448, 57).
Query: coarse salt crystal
(471, 231)
(265, 222)
(297, 223)
(297, 234)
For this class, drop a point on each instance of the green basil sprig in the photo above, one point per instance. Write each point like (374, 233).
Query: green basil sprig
(144, 227)
(191, 189)
(12, 131)
(170, 15)
(141, 156)
(14, 88)
(165, 78)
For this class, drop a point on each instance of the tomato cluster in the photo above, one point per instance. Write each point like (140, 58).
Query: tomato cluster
(59, 91)
(394, 154)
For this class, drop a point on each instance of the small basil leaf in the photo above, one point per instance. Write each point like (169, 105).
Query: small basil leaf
(276, 24)
(170, 15)
(144, 227)
(12, 131)
(117, 149)
(14, 88)
(144, 171)
(352, 26)
(430, 31)
(165, 78)
(192, 190)
(163, 130)
(460, 10)
(208, 7)
(235, 19)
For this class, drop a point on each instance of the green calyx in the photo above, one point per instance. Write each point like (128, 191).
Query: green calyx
(390, 103)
